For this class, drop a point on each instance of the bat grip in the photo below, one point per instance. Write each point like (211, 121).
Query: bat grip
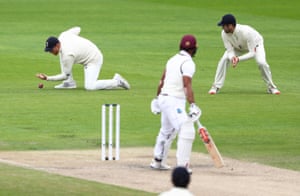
(204, 135)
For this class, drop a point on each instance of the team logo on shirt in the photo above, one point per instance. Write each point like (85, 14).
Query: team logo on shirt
(179, 111)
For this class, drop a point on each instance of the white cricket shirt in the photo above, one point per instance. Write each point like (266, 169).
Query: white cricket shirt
(243, 39)
(178, 66)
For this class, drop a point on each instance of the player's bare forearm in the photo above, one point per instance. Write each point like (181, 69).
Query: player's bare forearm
(190, 96)
(159, 87)
(187, 82)
(161, 83)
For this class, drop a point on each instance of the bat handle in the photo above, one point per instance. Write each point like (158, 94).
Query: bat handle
(199, 124)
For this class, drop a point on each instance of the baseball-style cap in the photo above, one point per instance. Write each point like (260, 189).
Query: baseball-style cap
(227, 19)
(50, 43)
(188, 42)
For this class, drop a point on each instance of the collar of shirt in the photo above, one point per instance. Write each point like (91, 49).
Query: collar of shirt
(184, 53)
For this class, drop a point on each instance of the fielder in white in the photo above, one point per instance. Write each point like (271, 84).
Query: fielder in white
(174, 90)
(241, 42)
(73, 49)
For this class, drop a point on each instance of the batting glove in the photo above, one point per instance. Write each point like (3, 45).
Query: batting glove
(155, 109)
(195, 112)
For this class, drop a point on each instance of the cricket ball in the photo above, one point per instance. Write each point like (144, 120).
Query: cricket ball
(41, 85)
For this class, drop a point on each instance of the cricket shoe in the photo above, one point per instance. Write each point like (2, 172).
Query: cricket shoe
(214, 90)
(66, 85)
(187, 167)
(159, 165)
(274, 91)
(121, 81)
(189, 170)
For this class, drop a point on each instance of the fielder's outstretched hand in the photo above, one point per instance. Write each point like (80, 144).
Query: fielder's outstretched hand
(41, 76)
(235, 61)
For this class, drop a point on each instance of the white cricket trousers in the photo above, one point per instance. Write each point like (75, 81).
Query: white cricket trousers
(260, 58)
(91, 74)
(173, 119)
(173, 115)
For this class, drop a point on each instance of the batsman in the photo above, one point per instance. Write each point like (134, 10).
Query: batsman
(174, 90)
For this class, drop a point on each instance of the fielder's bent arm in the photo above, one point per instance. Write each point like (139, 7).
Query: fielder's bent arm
(61, 76)
(248, 55)
(66, 65)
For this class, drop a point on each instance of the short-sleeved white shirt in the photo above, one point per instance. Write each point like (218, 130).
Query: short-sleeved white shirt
(178, 66)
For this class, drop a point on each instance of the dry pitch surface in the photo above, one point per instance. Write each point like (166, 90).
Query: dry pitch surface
(132, 170)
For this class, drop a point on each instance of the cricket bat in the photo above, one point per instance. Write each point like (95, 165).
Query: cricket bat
(210, 146)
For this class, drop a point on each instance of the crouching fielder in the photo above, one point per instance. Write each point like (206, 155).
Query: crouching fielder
(174, 90)
(241, 42)
(74, 49)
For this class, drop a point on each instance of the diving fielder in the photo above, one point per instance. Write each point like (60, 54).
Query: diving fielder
(174, 90)
(241, 42)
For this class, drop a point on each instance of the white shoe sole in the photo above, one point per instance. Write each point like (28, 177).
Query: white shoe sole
(213, 91)
(71, 87)
(123, 82)
(66, 85)
(159, 166)
(273, 91)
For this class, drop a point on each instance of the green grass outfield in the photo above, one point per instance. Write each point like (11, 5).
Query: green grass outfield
(136, 38)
